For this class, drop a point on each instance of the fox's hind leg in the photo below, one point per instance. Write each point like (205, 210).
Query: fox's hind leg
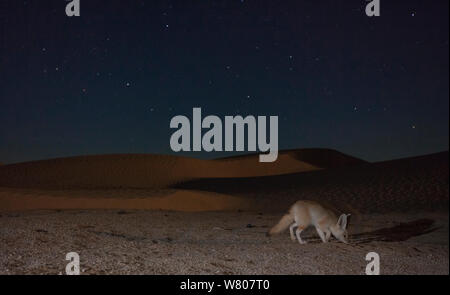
(291, 231)
(298, 232)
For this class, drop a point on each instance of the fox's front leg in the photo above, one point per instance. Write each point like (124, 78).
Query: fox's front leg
(298, 231)
(291, 231)
(322, 235)
(327, 235)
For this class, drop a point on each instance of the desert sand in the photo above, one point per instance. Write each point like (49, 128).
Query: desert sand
(151, 214)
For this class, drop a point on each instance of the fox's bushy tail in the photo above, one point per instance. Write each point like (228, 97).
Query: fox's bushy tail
(283, 224)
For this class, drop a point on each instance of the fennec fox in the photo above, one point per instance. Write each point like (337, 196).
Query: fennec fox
(305, 213)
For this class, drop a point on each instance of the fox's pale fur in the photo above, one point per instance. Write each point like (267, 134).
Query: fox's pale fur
(305, 213)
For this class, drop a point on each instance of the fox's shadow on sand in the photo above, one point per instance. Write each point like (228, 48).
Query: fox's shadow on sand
(398, 233)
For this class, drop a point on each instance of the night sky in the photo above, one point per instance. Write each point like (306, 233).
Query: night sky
(110, 80)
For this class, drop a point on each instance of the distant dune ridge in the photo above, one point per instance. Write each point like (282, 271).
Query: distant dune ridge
(143, 181)
(324, 158)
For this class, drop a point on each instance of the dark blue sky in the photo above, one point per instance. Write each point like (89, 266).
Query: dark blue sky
(110, 80)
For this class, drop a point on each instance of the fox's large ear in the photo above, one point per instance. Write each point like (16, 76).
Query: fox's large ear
(342, 221)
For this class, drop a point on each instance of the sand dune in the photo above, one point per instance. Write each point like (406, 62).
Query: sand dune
(143, 181)
(186, 184)
(411, 184)
(157, 171)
